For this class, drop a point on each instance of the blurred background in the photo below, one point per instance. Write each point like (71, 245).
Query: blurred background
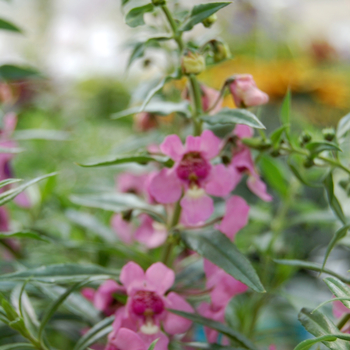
(81, 50)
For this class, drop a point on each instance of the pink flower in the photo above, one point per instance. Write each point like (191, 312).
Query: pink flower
(126, 339)
(131, 183)
(149, 232)
(242, 162)
(146, 305)
(209, 98)
(103, 298)
(339, 309)
(4, 220)
(236, 216)
(145, 121)
(223, 288)
(245, 92)
(192, 174)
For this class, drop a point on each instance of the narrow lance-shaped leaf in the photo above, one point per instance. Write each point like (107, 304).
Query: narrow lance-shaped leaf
(343, 126)
(6, 182)
(6, 25)
(234, 116)
(237, 337)
(24, 234)
(201, 12)
(9, 72)
(152, 346)
(217, 248)
(276, 135)
(332, 199)
(319, 146)
(339, 289)
(134, 18)
(17, 346)
(285, 112)
(306, 344)
(293, 167)
(341, 233)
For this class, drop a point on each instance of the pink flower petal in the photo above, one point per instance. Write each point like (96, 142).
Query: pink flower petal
(210, 144)
(22, 200)
(88, 293)
(193, 144)
(160, 277)
(243, 131)
(244, 162)
(174, 324)
(197, 207)
(172, 147)
(4, 220)
(104, 295)
(222, 180)
(165, 187)
(205, 310)
(162, 343)
(131, 274)
(258, 187)
(151, 233)
(124, 229)
(125, 339)
(236, 216)
(339, 309)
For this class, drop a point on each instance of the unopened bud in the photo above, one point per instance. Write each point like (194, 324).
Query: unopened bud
(305, 137)
(208, 22)
(328, 134)
(308, 163)
(257, 143)
(220, 50)
(275, 153)
(192, 63)
(158, 2)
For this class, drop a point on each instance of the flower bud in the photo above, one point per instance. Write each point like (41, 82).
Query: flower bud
(192, 63)
(305, 137)
(208, 22)
(308, 163)
(145, 121)
(220, 50)
(158, 2)
(328, 134)
(245, 93)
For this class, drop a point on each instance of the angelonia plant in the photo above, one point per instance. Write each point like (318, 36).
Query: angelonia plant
(183, 283)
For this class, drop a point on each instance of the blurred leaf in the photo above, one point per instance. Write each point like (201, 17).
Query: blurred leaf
(343, 126)
(116, 202)
(18, 346)
(293, 167)
(151, 347)
(139, 159)
(91, 223)
(276, 135)
(41, 134)
(24, 234)
(306, 344)
(234, 116)
(201, 12)
(6, 182)
(339, 289)
(310, 266)
(59, 273)
(134, 18)
(159, 87)
(10, 194)
(11, 72)
(272, 170)
(217, 248)
(341, 233)
(237, 337)
(332, 199)
(140, 47)
(162, 108)
(6, 25)
(11, 150)
(319, 146)
(98, 331)
(319, 325)
(207, 346)
(285, 112)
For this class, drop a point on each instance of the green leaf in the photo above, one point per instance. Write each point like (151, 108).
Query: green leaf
(49, 312)
(339, 289)
(306, 344)
(60, 272)
(332, 199)
(319, 325)
(217, 248)
(310, 266)
(240, 339)
(206, 346)
(330, 301)
(6, 182)
(162, 108)
(341, 233)
(11, 72)
(201, 12)
(272, 170)
(24, 234)
(98, 331)
(151, 347)
(139, 159)
(234, 116)
(319, 146)
(18, 346)
(293, 167)
(10, 194)
(286, 107)
(11, 150)
(134, 18)
(6, 25)
(276, 136)
(343, 126)
(116, 202)
(41, 134)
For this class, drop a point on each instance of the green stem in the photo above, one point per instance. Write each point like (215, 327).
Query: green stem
(197, 101)
(343, 321)
(177, 34)
(222, 91)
